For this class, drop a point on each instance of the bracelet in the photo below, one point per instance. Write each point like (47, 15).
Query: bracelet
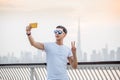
(28, 34)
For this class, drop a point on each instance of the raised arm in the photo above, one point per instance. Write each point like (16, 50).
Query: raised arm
(37, 45)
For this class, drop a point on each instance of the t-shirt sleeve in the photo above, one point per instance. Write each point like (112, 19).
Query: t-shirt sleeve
(45, 46)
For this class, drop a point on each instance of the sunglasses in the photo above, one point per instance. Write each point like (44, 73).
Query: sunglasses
(58, 31)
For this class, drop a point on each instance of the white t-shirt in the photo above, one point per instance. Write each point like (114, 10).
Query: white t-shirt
(56, 56)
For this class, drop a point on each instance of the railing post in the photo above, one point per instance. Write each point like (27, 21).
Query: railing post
(32, 73)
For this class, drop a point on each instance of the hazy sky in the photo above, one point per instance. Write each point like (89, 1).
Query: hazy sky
(99, 22)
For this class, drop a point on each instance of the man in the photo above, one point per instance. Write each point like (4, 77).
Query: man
(57, 54)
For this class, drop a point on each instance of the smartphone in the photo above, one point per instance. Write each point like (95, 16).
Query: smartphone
(33, 25)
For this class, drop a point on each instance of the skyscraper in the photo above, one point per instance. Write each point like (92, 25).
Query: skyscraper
(79, 52)
(118, 54)
(105, 54)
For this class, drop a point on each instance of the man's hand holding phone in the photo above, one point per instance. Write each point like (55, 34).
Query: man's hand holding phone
(29, 27)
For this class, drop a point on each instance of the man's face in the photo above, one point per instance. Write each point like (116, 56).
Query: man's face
(59, 34)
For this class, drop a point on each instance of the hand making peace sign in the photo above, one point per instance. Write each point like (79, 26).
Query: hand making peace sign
(73, 48)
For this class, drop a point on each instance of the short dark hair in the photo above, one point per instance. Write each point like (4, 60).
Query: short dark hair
(62, 27)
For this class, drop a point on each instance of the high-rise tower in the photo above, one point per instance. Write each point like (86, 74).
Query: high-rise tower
(79, 52)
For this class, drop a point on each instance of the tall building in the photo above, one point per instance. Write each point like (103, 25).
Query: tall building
(26, 57)
(112, 55)
(118, 54)
(85, 59)
(105, 54)
(79, 52)
(94, 56)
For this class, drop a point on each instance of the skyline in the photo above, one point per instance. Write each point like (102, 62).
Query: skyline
(40, 57)
(99, 23)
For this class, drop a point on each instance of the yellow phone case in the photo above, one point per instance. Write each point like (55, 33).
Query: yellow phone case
(33, 25)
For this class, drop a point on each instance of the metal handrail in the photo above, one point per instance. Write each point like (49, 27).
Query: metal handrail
(106, 70)
(79, 63)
